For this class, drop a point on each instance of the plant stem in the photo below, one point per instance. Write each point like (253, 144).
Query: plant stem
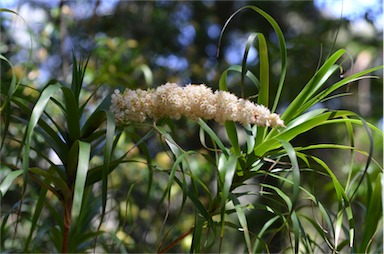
(67, 226)
(176, 241)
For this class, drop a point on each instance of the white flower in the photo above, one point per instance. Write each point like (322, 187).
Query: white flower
(192, 101)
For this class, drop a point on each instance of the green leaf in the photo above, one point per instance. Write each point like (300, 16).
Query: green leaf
(248, 44)
(213, 136)
(83, 156)
(250, 133)
(72, 114)
(96, 174)
(295, 107)
(38, 208)
(111, 126)
(78, 72)
(12, 86)
(7, 182)
(303, 124)
(263, 97)
(355, 77)
(51, 135)
(264, 71)
(281, 193)
(227, 172)
(262, 231)
(85, 103)
(295, 170)
(175, 166)
(93, 122)
(36, 114)
(370, 153)
(344, 204)
(197, 234)
(197, 203)
(147, 73)
(373, 215)
(230, 127)
(282, 45)
(296, 230)
(61, 191)
(243, 220)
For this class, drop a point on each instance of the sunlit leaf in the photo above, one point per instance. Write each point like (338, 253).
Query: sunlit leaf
(81, 176)
(8, 180)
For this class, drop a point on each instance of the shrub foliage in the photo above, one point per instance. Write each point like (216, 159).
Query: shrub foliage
(65, 161)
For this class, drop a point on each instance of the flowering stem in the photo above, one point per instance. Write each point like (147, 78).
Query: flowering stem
(191, 101)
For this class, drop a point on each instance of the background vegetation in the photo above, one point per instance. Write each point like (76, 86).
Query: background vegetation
(147, 43)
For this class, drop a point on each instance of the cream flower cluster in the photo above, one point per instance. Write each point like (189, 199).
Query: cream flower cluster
(192, 101)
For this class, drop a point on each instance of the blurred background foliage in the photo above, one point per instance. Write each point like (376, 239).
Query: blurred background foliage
(141, 44)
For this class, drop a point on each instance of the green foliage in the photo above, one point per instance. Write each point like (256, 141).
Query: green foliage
(270, 192)
(75, 139)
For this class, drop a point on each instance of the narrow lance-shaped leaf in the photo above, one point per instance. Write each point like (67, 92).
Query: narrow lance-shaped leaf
(213, 135)
(227, 171)
(248, 45)
(344, 204)
(311, 87)
(36, 114)
(243, 220)
(281, 193)
(323, 94)
(147, 73)
(72, 114)
(199, 206)
(372, 215)
(295, 170)
(282, 45)
(237, 68)
(38, 209)
(81, 176)
(262, 231)
(296, 230)
(78, 72)
(14, 83)
(197, 233)
(61, 189)
(250, 137)
(263, 98)
(302, 126)
(111, 126)
(230, 127)
(8, 180)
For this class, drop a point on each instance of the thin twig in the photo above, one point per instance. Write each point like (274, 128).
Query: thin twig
(172, 244)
